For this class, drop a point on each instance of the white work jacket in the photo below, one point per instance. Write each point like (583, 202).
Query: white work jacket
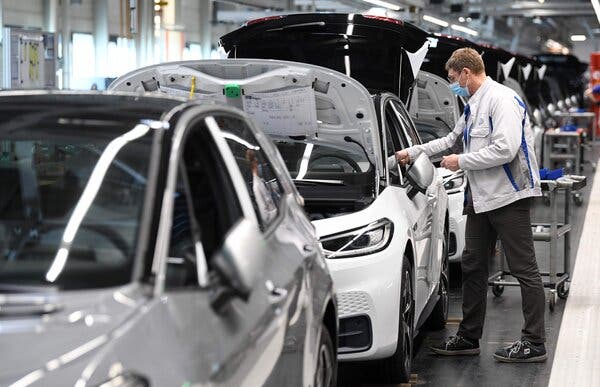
(498, 157)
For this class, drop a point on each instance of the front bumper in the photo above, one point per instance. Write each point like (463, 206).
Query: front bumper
(457, 225)
(368, 286)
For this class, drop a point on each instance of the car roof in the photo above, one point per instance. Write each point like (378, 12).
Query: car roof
(128, 106)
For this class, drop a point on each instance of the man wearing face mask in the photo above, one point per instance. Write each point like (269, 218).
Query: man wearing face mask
(503, 176)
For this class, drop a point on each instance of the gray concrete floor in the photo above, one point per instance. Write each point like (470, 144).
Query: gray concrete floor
(503, 323)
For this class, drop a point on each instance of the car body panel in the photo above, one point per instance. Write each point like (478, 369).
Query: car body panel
(173, 337)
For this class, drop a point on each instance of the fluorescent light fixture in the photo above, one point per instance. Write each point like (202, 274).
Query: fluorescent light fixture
(461, 19)
(596, 5)
(435, 20)
(541, 1)
(464, 29)
(384, 4)
(578, 38)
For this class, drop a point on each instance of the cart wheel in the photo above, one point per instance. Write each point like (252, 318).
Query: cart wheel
(562, 290)
(578, 199)
(498, 290)
(552, 300)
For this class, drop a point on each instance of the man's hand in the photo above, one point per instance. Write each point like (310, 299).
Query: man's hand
(403, 157)
(450, 162)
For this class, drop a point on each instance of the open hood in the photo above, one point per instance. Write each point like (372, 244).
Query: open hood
(284, 98)
(383, 54)
(440, 49)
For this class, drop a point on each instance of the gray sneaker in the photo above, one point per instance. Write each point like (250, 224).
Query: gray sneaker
(457, 346)
(522, 351)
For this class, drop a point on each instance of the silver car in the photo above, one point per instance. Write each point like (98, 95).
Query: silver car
(149, 241)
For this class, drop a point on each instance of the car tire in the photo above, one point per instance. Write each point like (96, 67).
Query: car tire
(326, 373)
(396, 369)
(439, 315)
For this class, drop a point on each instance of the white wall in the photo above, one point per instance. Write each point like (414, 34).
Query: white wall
(582, 50)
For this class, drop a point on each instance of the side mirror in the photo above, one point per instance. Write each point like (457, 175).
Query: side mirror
(421, 173)
(238, 264)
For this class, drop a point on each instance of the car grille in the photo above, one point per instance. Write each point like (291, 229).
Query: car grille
(351, 303)
(355, 334)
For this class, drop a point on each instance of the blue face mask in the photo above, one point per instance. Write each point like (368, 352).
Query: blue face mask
(458, 90)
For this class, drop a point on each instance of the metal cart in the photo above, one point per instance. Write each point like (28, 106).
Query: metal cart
(563, 149)
(558, 283)
(583, 119)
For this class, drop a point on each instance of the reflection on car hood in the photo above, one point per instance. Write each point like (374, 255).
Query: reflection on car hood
(35, 346)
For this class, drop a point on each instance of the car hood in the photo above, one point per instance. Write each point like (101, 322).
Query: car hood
(33, 346)
(384, 54)
(284, 98)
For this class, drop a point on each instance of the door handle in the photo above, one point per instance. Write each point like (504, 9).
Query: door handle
(276, 294)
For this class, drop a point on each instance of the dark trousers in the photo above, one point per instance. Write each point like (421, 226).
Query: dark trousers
(512, 224)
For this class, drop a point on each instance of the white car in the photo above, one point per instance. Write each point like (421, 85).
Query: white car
(384, 229)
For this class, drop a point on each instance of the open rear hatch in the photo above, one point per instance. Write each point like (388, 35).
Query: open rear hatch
(383, 54)
(287, 100)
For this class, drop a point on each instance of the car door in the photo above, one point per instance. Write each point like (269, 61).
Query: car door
(436, 206)
(292, 248)
(419, 207)
(222, 336)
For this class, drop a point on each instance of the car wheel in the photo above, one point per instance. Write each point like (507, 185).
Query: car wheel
(396, 369)
(326, 373)
(439, 315)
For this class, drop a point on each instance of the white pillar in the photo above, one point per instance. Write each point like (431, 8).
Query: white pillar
(144, 39)
(67, 49)
(100, 11)
(206, 11)
(50, 15)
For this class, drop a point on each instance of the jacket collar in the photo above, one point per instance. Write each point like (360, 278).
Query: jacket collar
(474, 100)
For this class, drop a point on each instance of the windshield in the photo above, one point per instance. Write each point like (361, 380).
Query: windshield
(71, 201)
(332, 179)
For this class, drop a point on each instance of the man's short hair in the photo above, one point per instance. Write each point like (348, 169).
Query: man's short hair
(465, 58)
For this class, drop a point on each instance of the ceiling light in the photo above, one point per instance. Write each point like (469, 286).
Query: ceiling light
(596, 5)
(435, 20)
(464, 29)
(541, 1)
(384, 4)
(469, 19)
(461, 19)
(578, 38)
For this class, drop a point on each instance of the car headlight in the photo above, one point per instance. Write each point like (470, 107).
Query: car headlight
(453, 184)
(364, 240)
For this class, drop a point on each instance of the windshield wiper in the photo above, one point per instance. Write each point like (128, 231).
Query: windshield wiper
(310, 182)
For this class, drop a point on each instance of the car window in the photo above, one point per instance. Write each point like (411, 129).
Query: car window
(394, 143)
(205, 209)
(407, 124)
(71, 201)
(263, 185)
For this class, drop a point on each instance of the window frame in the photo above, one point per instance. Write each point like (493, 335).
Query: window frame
(190, 117)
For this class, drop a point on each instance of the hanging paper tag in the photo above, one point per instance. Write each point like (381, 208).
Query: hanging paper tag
(290, 112)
